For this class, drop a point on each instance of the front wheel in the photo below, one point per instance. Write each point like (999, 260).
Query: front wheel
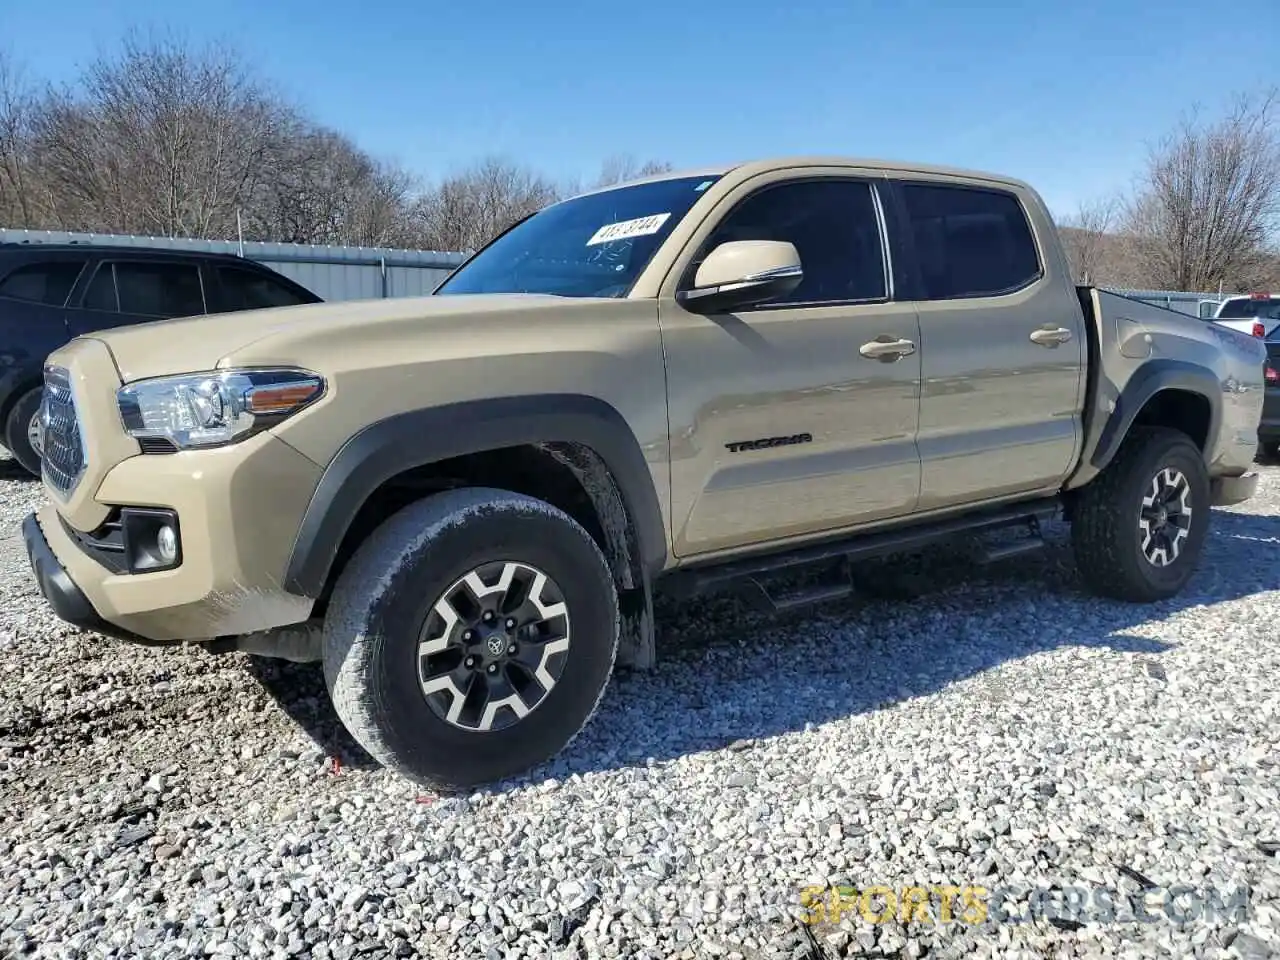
(1139, 526)
(22, 433)
(471, 637)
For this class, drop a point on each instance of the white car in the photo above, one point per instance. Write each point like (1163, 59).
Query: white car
(1254, 313)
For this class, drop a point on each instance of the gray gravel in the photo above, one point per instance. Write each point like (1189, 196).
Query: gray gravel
(1002, 730)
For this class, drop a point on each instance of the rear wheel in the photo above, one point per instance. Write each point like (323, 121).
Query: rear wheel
(21, 431)
(1269, 450)
(1139, 526)
(471, 637)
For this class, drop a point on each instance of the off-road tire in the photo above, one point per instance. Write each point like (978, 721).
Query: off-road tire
(16, 425)
(1105, 534)
(381, 601)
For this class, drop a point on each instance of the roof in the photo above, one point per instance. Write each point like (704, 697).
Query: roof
(752, 167)
(106, 244)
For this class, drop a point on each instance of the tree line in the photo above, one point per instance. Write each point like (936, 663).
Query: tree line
(163, 138)
(1203, 213)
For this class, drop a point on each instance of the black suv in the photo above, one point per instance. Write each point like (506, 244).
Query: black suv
(51, 293)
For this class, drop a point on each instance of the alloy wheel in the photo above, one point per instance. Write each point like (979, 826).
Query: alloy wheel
(1165, 518)
(493, 646)
(35, 431)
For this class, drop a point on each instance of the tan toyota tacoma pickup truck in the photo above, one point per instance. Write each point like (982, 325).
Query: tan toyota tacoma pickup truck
(462, 503)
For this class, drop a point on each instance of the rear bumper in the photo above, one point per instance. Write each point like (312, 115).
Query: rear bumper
(67, 600)
(1227, 491)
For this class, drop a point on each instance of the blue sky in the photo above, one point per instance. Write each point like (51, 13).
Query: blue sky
(1065, 95)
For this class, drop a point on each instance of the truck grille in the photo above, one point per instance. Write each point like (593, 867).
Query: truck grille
(62, 452)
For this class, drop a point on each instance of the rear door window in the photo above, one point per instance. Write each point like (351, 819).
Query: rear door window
(970, 242)
(48, 283)
(147, 288)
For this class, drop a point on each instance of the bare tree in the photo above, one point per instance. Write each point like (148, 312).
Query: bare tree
(622, 167)
(1085, 235)
(325, 190)
(470, 207)
(161, 139)
(1208, 202)
(19, 195)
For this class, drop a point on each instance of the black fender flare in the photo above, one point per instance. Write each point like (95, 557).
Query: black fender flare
(1149, 379)
(417, 438)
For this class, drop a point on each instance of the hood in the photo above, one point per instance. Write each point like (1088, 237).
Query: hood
(293, 334)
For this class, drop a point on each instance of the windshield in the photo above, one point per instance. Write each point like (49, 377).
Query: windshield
(1246, 308)
(591, 246)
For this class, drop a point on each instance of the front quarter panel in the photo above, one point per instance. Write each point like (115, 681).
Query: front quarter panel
(606, 350)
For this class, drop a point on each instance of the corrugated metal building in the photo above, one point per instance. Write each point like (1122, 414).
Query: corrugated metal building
(334, 273)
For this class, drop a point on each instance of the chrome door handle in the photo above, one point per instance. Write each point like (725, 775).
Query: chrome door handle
(1048, 336)
(886, 349)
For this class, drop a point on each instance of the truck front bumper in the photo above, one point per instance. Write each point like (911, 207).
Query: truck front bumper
(236, 510)
(57, 587)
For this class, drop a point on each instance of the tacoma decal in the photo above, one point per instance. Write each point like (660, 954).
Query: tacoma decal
(765, 442)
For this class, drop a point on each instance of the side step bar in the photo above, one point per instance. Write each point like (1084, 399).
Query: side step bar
(748, 571)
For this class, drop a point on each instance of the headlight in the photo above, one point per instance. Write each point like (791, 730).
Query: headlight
(211, 409)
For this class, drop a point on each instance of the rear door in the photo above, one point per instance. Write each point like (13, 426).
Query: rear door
(127, 289)
(1003, 343)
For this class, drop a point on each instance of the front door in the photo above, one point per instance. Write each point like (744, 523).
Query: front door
(780, 426)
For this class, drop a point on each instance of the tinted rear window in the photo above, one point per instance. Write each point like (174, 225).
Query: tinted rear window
(146, 289)
(48, 283)
(970, 242)
(159, 289)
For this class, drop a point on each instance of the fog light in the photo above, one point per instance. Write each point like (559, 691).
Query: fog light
(152, 539)
(167, 544)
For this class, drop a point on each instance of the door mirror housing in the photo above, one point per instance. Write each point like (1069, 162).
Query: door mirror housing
(742, 272)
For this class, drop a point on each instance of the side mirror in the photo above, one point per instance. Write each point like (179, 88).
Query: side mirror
(742, 272)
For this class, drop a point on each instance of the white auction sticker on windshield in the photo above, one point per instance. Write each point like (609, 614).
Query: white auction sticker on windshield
(625, 229)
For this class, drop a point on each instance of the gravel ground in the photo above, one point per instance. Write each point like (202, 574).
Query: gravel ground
(1003, 731)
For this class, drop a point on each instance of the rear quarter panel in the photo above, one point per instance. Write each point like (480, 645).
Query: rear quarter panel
(1131, 334)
